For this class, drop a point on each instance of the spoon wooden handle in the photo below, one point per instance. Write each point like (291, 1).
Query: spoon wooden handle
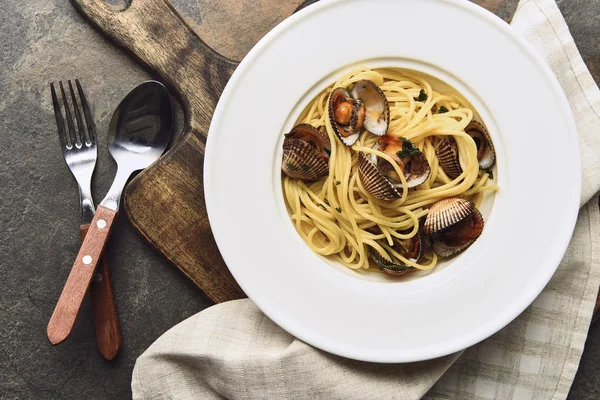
(68, 305)
(104, 308)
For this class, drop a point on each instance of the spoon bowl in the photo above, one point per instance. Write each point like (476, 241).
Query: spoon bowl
(141, 127)
(138, 134)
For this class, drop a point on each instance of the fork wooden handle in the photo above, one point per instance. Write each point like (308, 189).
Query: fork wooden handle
(68, 305)
(104, 308)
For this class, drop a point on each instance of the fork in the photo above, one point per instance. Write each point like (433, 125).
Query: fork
(80, 152)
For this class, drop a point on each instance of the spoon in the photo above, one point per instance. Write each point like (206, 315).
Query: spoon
(138, 134)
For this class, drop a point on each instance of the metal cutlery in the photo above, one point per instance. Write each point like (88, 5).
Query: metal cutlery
(78, 144)
(139, 133)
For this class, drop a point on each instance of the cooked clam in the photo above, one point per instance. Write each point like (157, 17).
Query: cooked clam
(305, 153)
(486, 155)
(447, 154)
(347, 116)
(447, 150)
(412, 249)
(454, 225)
(381, 179)
(362, 106)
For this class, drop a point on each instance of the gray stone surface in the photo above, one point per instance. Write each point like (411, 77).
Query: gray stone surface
(43, 41)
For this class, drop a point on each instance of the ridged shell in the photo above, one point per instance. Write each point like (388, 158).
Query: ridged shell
(395, 267)
(387, 266)
(447, 154)
(377, 108)
(489, 154)
(309, 133)
(446, 213)
(373, 181)
(302, 161)
(353, 128)
(444, 250)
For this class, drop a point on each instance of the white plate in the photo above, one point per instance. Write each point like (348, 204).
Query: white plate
(526, 232)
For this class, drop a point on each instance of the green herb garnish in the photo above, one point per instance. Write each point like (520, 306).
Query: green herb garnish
(291, 167)
(490, 173)
(338, 209)
(337, 182)
(322, 206)
(408, 149)
(422, 96)
(288, 135)
(443, 110)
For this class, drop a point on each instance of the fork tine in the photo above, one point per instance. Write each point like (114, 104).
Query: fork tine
(86, 112)
(81, 130)
(72, 134)
(60, 124)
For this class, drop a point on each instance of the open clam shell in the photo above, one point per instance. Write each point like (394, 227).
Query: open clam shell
(346, 115)
(305, 153)
(313, 136)
(447, 150)
(373, 180)
(377, 110)
(364, 107)
(447, 154)
(486, 153)
(454, 225)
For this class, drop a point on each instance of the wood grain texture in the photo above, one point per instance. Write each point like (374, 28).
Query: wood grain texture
(70, 300)
(104, 308)
(490, 5)
(232, 27)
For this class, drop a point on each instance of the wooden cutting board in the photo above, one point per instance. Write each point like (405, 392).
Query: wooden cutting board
(165, 203)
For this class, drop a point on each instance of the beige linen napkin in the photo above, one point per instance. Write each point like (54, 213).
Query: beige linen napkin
(233, 351)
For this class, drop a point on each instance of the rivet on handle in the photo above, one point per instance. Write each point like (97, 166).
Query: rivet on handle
(87, 260)
(101, 224)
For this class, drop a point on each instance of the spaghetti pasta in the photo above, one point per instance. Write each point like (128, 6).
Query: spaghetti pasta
(338, 218)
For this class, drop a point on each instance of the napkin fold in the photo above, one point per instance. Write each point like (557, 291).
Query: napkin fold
(234, 351)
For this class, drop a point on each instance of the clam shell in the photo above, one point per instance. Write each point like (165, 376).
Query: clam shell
(302, 161)
(395, 267)
(377, 108)
(355, 131)
(444, 250)
(445, 213)
(416, 176)
(304, 131)
(489, 154)
(419, 175)
(387, 266)
(447, 154)
(373, 181)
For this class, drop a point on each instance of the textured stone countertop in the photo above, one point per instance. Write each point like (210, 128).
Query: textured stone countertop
(46, 40)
